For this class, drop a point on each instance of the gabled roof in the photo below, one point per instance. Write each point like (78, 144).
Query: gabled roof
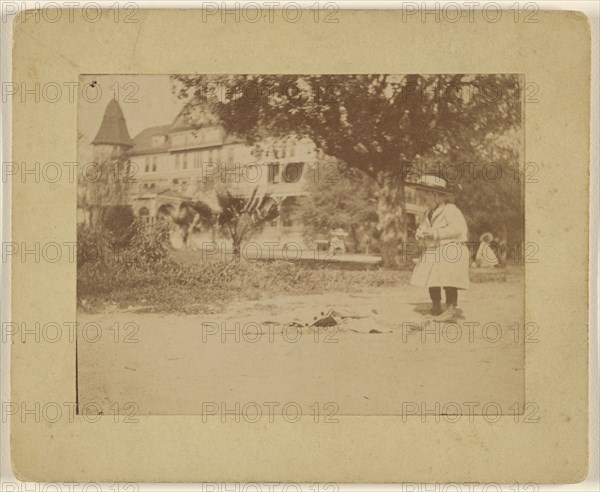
(113, 130)
(142, 142)
(194, 117)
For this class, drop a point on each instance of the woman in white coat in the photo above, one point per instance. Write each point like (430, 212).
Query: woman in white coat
(444, 262)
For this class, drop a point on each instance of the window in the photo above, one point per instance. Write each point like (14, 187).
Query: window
(211, 156)
(292, 147)
(185, 161)
(130, 168)
(158, 140)
(273, 175)
(292, 172)
(177, 156)
(154, 160)
(147, 164)
(288, 211)
(184, 185)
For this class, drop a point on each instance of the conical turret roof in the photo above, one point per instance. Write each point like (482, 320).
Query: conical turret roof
(113, 130)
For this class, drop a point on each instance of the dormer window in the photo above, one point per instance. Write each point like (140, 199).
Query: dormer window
(273, 172)
(280, 149)
(292, 147)
(158, 140)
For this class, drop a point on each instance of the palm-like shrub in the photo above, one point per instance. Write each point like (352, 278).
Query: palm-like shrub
(237, 216)
(241, 216)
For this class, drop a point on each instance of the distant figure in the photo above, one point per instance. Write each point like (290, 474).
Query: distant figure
(485, 256)
(336, 243)
(500, 245)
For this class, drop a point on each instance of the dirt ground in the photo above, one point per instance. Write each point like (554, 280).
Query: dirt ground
(388, 359)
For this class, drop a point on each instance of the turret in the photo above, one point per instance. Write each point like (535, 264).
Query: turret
(112, 140)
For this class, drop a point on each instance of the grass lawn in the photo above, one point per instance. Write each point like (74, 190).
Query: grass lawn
(184, 284)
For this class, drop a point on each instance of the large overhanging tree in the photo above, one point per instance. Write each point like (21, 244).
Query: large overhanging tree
(380, 124)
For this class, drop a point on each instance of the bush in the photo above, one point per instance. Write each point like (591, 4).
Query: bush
(104, 264)
(149, 245)
(119, 220)
(94, 247)
(162, 284)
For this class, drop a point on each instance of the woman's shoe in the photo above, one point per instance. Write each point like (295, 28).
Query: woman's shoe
(436, 309)
(447, 315)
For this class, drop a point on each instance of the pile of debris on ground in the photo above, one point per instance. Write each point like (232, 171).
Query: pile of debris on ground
(366, 322)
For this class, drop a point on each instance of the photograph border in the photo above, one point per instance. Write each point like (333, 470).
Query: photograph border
(554, 52)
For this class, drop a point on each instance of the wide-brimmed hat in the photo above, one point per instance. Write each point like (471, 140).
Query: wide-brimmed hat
(486, 237)
(432, 182)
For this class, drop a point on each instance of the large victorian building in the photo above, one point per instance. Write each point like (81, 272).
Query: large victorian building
(181, 161)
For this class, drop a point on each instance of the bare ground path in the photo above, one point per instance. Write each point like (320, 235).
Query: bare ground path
(247, 356)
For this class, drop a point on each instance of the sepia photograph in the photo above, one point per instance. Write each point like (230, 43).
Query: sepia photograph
(299, 247)
(338, 244)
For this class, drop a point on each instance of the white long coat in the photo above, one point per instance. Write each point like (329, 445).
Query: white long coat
(445, 259)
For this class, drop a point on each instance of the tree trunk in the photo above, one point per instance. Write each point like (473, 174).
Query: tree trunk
(354, 235)
(96, 216)
(391, 211)
(236, 242)
(503, 245)
(237, 250)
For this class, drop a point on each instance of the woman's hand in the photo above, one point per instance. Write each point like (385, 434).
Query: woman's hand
(420, 234)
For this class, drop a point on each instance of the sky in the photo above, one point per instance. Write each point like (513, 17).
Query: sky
(146, 100)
